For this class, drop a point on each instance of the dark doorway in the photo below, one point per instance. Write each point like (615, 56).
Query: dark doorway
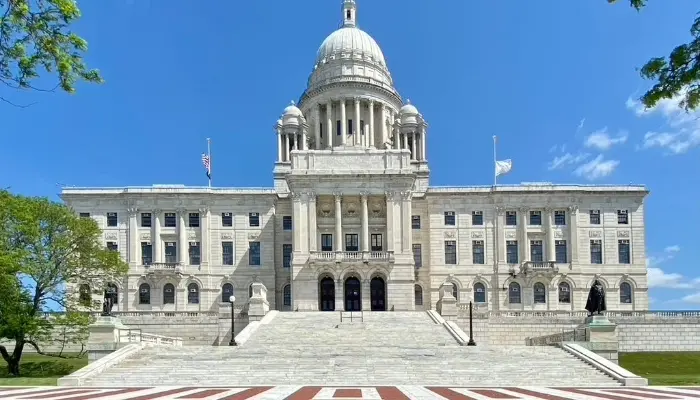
(353, 295)
(327, 297)
(377, 294)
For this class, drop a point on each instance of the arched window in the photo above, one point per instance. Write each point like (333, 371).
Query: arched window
(226, 292)
(193, 293)
(455, 292)
(564, 293)
(84, 296)
(479, 293)
(250, 291)
(540, 294)
(169, 294)
(112, 292)
(418, 293)
(145, 293)
(287, 295)
(625, 293)
(514, 293)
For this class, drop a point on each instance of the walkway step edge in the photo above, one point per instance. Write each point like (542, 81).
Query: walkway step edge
(455, 331)
(609, 368)
(96, 367)
(253, 326)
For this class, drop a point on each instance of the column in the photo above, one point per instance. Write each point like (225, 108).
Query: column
(365, 224)
(205, 231)
(182, 237)
(390, 221)
(382, 126)
(406, 231)
(499, 237)
(286, 148)
(573, 234)
(365, 137)
(523, 246)
(371, 124)
(356, 124)
(280, 145)
(304, 135)
(317, 127)
(551, 255)
(343, 123)
(133, 236)
(338, 223)
(296, 216)
(397, 137)
(313, 227)
(155, 237)
(423, 154)
(329, 124)
(404, 139)
(296, 144)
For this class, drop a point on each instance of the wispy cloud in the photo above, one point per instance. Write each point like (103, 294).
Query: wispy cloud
(658, 278)
(682, 131)
(602, 140)
(566, 160)
(597, 168)
(692, 298)
(580, 124)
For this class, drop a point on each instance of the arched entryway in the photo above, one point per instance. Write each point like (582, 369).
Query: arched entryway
(377, 289)
(326, 298)
(353, 294)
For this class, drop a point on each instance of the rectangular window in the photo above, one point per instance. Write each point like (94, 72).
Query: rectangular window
(146, 253)
(287, 223)
(286, 255)
(536, 254)
(450, 218)
(320, 129)
(417, 255)
(326, 242)
(350, 127)
(170, 220)
(560, 218)
(511, 218)
(254, 220)
(560, 252)
(623, 251)
(145, 220)
(622, 217)
(112, 246)
(535, 217)
(512, 251)
(594, 217)
(596, 252)
(337, 127)
(84, 215)
(478, 252)
(227, 253)
(352, 242)
(193, 220)
(415, 222)
(195, 253)
(170, 252)
(451, 252)
(254, 253)
(111, 219)
(477, 218)
(226, 220)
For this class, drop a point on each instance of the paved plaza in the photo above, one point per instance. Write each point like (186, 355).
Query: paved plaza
(366, 392)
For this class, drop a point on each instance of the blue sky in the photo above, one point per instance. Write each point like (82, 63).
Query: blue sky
(555, 80)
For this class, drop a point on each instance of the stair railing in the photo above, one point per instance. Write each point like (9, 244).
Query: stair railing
(352, 316)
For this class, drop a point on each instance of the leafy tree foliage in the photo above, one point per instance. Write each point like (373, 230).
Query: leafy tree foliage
(45, 250)
(34, 35)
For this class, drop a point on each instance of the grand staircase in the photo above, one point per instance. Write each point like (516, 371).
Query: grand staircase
(381, 348)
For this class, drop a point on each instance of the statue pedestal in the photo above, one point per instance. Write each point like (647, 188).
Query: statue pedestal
(104, 337)
(258, 306)
(447, 305)
(601, 337)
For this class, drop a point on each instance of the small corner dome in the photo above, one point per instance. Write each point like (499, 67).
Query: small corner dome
(292, 111)
(408, 109)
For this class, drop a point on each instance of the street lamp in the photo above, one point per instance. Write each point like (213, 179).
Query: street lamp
(233, 326)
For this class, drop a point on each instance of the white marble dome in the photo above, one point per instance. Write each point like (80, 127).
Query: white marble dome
(349, 41)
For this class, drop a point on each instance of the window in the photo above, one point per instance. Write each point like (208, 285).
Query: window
(254, 219)
(170, 252)
(564, 293)
(326, 242)
(193, 220)
(514, 293)
(415, 222)
(192, 293)
(145, 220)
(84, 295)
(596, 252)
(227, 253)
(511, 218)
(560, 253)
(287, 296)
(112, 246)
(320, 129)
(625, 293)
(512, 251)
(594, 217)
(195, 253)
(250, 291)
(535, 217)
(455, 292)
(286, 255)
(540, 294)
(168, 294)
(417, 255)
(623, 251)
(352, 242)
(622, 217)
(254, 253)
(477, 217)
(145, 293)
(111, 219)
(478, 251)
(146, 253)
(226, 292)
(559, 218)
(376, 242)
(350, 127)
(170, 220)
(84, 215)
(287, 223)
(536, 254)
(479, 293)
(226, 219)
(337, 127)
(450, 218)
(450, 252)
(348, 14)
(418, 295)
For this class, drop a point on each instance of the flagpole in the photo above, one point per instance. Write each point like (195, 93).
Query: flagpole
(495, 174)
(209, 154)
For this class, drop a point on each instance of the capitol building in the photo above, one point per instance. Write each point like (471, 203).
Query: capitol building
(351, 221)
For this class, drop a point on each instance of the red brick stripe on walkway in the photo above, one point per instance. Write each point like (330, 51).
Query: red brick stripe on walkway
(158, 395)
(34, 396)
(539, 395)
(646, 389)
(596, 394)
(248, 393)
(53, 390)
(347, 393)
(304, 393)
(105, 394)
(647, 395)
(492, 394)
(391, 393)
(449, 394)
(202, 394)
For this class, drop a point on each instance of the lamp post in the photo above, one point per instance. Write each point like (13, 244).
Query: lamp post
(471, 332)
(232, 299)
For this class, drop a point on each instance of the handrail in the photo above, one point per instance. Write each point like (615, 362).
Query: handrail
(362, 315)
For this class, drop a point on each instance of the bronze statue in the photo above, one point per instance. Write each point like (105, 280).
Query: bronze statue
(596, 299)
(107, 306)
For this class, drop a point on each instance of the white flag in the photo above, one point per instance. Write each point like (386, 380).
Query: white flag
(503, 167)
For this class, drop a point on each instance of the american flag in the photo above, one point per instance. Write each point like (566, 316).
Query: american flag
(207, 164)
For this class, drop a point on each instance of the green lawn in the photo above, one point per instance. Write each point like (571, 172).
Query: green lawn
(664, 368)
(39, 370)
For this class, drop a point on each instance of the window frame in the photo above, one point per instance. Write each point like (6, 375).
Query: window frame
(112, 220)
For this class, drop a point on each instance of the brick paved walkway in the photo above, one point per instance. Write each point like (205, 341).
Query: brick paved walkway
(319, 393)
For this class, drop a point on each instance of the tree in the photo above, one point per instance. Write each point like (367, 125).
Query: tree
(675, 75)
(34, 35)
(46, 250)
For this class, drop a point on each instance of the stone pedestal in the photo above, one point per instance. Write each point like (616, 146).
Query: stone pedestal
(258, 306)
(104, 337)
(447, 305)
(601, 337)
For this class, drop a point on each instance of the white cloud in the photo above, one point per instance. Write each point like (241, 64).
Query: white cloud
(596, 168)
(683, 131)
(657, 278)
(567, 159)
(672, 249)
(692, 298)
(602, 140)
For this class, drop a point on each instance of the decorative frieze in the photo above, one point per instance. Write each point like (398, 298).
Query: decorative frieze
(511, 234)
(477, 235)
(623, 234)
(595, 234)
(111, 236)
(450, 234)
(226, 236)
(145, 236)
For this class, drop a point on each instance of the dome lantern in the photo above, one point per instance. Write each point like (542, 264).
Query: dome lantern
(349, 13)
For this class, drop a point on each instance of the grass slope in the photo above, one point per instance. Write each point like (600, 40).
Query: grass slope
(664, 369)
(37, 370)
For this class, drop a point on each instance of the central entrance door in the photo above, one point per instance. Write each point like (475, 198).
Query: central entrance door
(353, 295)
(327, 298)
(377, 294)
